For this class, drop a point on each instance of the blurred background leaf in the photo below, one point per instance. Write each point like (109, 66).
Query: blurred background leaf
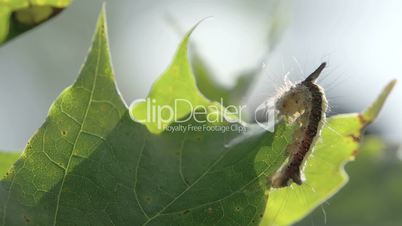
(244, 81)
(215, 91)
(19, 16)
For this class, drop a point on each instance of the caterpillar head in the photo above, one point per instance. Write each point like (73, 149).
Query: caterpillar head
(292, 102)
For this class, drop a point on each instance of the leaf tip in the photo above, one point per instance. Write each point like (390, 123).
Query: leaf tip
(101, 24)
(188, 34)
(371, 113)
(102, 16)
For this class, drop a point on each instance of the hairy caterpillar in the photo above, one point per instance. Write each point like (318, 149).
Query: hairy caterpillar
(303, 105)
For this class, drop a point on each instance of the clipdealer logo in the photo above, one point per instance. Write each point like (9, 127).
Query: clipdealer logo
(211, 118)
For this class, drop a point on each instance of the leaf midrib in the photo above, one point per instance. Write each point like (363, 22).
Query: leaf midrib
(81, 128)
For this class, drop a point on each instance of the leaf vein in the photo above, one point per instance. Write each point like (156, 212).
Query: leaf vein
(80, 131)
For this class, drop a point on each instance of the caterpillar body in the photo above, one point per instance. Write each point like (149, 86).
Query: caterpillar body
(303, 105)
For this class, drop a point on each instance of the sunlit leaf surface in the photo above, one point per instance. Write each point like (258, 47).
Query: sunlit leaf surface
(175, 88)
(6, 160)
(375, 182)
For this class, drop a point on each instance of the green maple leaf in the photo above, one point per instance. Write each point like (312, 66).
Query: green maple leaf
(91, 164)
